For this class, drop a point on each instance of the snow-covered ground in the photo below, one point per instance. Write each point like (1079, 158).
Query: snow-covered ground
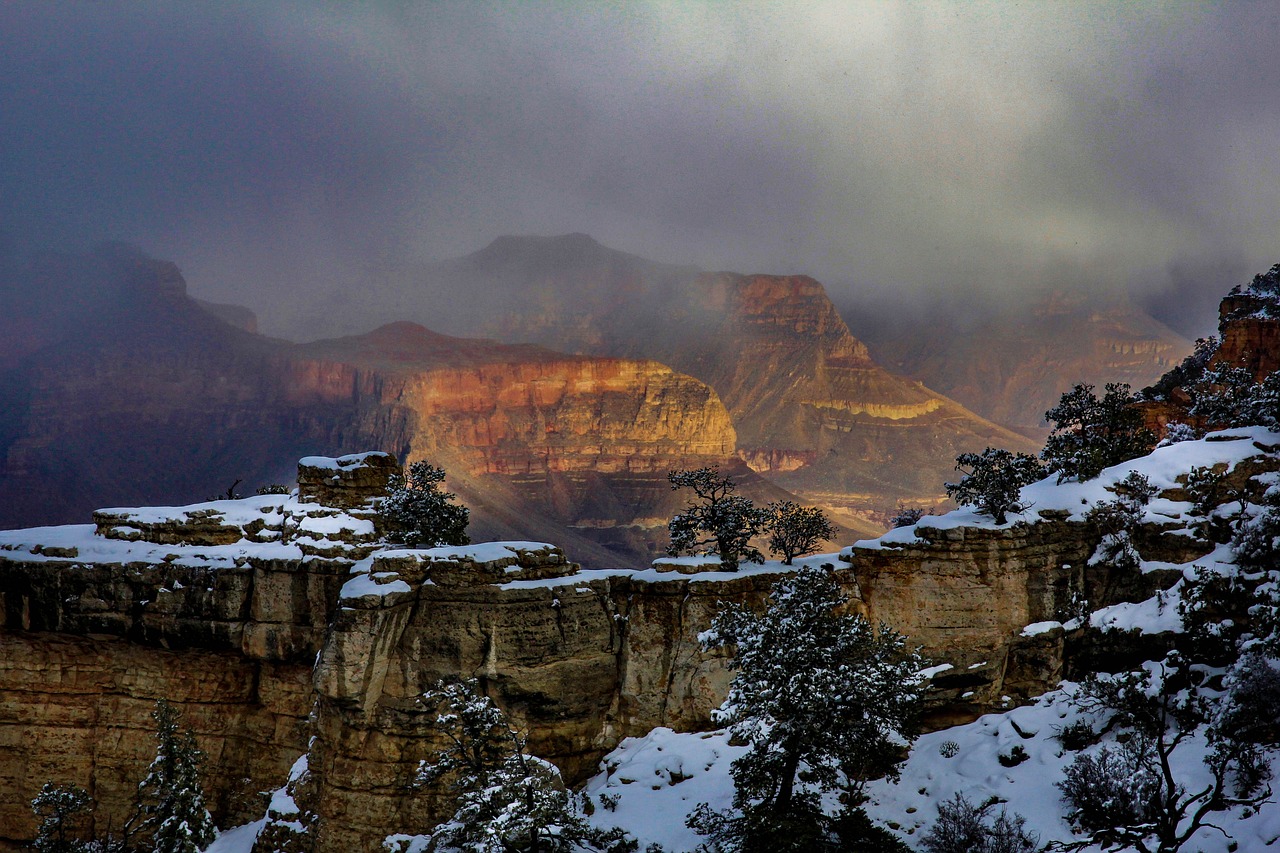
(659, 779)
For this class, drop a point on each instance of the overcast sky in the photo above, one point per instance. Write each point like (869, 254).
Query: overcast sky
(951, 148)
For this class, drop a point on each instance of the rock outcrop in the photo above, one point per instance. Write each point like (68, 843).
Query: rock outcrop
(304, 636)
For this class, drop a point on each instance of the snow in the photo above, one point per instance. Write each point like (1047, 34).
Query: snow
(642, 771)
(659, 779)
(92, 548)
(330, 463)
(1162, 467)
(1035, 629)
(239, 839)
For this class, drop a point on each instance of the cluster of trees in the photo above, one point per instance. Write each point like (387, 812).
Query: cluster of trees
(169, 814)
(719, 523)
(1090, 433)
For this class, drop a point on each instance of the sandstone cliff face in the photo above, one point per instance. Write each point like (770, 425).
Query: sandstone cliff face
(1250, 339)
(99, 622)
(812, 411)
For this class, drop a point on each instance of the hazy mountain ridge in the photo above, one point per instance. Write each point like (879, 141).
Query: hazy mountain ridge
(1012, 368)
(144, 397)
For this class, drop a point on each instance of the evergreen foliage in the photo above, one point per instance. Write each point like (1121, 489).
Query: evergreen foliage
(419, 514)
(906, 517)
(171, 797)
(796, 530)
(816, 690)
(1185, 374)
(61, 809)
(1090, 434)
(508, 800)
(1117, 519)
(717, 522)
(992, 481)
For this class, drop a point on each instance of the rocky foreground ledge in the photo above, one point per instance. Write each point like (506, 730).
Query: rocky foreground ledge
(282, 627)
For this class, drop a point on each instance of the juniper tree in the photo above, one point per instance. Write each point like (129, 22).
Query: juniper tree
(717, 522)
(1090, 434)
(171, 798)
(796, 530)
(508, 801)
(992, 481)
(816, 688)
(419, 514)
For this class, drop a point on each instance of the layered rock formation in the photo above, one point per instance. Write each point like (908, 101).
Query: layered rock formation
(100, 621)
(141, 396)
(1013, 368)
(812, 410)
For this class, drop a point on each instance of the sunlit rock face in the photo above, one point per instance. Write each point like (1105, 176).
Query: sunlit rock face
(1013, 368)
(811, 409)
(1249, 338)
(140, 396)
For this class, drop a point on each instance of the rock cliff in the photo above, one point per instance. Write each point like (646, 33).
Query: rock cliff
(1013, 368)
(812, 411)
(125, 389)
(280, 627)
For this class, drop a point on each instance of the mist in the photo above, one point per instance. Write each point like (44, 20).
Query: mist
(904, 154)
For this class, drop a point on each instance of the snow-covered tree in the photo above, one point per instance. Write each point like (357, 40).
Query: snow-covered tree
(1223, 396)
(1133, 795)
(417, 512)
(61, 809)
(796, 530)
(717, 522)
(965, 827)
(825, 703)
(508, 800)
(992, 481)
(171, 797)
(1090, 434)
(906, 516)
(1117, 519)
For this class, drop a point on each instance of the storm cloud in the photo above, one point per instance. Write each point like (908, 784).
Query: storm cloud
(917, 152)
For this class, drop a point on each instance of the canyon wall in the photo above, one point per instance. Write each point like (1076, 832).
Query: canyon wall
(279, 626)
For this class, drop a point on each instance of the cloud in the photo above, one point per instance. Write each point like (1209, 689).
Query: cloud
(929, 150)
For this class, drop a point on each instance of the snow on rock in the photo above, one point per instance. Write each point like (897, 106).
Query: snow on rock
(658, 779)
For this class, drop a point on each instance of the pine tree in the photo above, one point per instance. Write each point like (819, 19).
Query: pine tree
(171, 797)
(1090, 434)
(508, 800)
(815, 689)
(419, 514)
(993, 481)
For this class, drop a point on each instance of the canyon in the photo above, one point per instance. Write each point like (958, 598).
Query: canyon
(139, 395)
(813, 410)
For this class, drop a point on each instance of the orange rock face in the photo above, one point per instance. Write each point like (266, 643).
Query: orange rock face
(523, 410)
(1251, 342)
